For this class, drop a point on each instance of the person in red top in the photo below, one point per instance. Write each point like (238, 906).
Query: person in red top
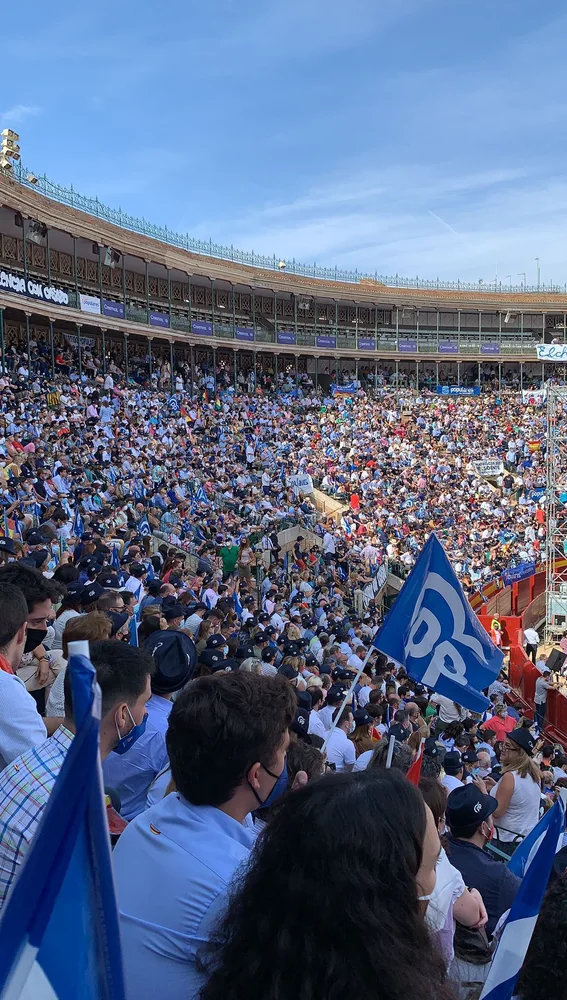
(501, 723)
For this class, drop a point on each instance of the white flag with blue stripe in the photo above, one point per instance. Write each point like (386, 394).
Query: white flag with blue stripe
(433, 632)
(517, 934)
(59, 936)
(144, 526)
(78, 524)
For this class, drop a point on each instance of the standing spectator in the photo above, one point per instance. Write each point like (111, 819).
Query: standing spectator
(531, 641)
(542, 686)
(21, 727)
(518, 792)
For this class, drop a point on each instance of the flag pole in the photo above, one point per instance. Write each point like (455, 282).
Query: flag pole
(391, 746)
(347, 696)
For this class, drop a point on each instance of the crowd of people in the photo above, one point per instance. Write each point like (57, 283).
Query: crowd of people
(273, 838)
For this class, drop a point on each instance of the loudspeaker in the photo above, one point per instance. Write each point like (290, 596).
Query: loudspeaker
(556, 659)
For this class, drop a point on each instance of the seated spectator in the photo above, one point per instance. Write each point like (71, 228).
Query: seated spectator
(227, 740)
(372, 830)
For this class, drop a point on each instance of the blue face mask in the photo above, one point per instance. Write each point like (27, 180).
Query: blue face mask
(125, 742)
(277, 791)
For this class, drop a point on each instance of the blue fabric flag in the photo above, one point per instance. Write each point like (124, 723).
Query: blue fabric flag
(144, 526)
(433, 632)
(519, 927)
(151, 575)
(525, 853)
(133, 631)
(238, 606)
(173, 404)
(111, 475)
(59, 929)
(114, 560)
(139, 490)
(78, 524)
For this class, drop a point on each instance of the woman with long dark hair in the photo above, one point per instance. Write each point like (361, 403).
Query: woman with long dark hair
(333, 903)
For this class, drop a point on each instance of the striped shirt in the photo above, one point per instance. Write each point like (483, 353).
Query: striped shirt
(25, 787)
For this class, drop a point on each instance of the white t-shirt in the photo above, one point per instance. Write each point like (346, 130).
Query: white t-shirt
(363, 761)
(340, 750)
(21, 726)
(542, 686)
(450, 783)
(328, 543)
(316, 726)
(447, 710)
(531, 636)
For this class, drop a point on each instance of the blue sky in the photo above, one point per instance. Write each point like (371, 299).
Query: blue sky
(400, 136)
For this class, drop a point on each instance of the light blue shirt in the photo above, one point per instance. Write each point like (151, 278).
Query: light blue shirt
(132, 773)
(172, 868)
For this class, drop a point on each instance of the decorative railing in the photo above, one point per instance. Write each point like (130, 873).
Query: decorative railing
(94, 207)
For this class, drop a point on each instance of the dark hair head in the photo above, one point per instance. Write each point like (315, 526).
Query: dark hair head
(34, 585)
(14, 612)
(66, 574)
(220, 726)
(369, 829)
(121, 671)
(487, 735)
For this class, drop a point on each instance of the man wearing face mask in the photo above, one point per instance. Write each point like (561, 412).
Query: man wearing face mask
(123, 674)
(40, 594)
(132, 774)
(469, 818)
(21, 728)
(227, 741)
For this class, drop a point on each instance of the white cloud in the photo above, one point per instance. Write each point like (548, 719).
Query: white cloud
(18, 114)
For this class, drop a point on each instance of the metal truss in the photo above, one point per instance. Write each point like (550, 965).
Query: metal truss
(556, 509)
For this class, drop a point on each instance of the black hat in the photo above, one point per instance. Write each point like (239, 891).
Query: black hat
(468, 806)
(470, 757)
(268, 654)
(35, 538)
(91, 593)
(137, 570)
(286, 670)
(361, 717)
(171, 611)
(310, 660)
(214, 641)
(38, 557)
(399, 732)
(432, 748)
(109, 580)
(300, 724)
(452, 762)
(210, 656)
(243, 652)
(291, 649)
(524, 739)
(268, 632)
(117, 620)
(340, 674)
(153, 587)
(175, 658)
(7, 545)
(74, 588)
(228, 665)
(335, 695)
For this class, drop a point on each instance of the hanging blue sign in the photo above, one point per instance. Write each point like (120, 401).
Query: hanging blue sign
(517, 573)
(458, 390)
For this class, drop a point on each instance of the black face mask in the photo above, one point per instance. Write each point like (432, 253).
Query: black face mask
(34, 638)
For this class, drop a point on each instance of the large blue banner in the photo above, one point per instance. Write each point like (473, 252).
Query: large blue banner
(458, 390)
(433, 632)
(517, 573)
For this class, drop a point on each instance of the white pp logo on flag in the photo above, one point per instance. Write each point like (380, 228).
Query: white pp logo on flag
(436, 629)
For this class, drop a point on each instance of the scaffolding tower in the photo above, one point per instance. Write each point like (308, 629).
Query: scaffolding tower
(556, 510)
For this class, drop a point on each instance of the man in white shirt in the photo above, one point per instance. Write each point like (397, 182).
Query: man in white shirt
(356, 659)
(328, 546)
(542, 686)
(194, 620)
(21, 727)
(316, 725)
(340, 750)
(531, 641)
(449, 711)
(453, 767)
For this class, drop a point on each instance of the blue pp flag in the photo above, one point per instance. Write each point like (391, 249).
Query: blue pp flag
(59, 934)
(174, 404)
(144, 526)
(139, 490)
(114, 560)
(525, 853)
(200, 496)
(78, 524)
(433, 632)
(519, 927)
